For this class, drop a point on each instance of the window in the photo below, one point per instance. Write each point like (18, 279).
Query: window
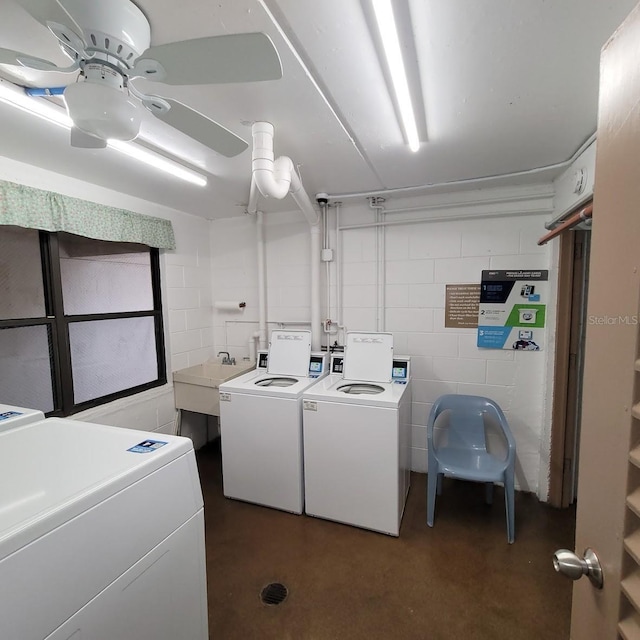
(80, 320)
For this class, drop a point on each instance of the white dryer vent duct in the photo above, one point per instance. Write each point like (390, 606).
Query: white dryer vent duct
(275, 178)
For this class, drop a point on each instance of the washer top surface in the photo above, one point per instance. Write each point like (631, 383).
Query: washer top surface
(338, 389)
(368, 356)
(265, 384)
(11, 417)
(58, 468)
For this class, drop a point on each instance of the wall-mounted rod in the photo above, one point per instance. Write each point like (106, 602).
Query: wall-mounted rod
(580, 216)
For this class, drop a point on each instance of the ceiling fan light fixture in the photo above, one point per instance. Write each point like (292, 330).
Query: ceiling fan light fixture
(102, 111)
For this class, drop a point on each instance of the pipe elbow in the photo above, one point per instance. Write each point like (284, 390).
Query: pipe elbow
(273, 177)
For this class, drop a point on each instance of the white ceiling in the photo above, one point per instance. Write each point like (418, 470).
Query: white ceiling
(507, 86)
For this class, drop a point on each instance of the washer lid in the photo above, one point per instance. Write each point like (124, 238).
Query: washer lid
(361, 388)
(289, 353)
(368, 356)
(275, 381)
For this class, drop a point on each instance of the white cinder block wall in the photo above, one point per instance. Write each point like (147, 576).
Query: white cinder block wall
(234, 263)
(186, 292)
(217, 261)
(420, 258)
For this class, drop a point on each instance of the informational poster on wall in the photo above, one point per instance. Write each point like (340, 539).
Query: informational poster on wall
(461, 306)
(512, 312)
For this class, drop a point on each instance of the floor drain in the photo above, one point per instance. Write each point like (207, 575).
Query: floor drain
(274, 593)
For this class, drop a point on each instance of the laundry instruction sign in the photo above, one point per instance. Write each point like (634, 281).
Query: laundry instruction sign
(513, 309)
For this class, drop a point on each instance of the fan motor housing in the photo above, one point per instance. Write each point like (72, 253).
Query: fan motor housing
(117, 28)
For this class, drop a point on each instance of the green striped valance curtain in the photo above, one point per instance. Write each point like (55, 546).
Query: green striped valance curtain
(24, 206)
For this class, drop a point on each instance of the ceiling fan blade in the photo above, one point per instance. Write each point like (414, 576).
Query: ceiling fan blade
(82, 140)
(200, 128)
(17, 59)
(53, 15)
(245, 57)
(9, 56)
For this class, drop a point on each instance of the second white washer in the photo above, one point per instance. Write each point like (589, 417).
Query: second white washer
(357, 438)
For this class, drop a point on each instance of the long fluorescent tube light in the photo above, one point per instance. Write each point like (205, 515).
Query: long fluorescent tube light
(159, 162)
(389, 34)
(15, 97)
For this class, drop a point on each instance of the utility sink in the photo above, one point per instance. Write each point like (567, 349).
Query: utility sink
(196, 388)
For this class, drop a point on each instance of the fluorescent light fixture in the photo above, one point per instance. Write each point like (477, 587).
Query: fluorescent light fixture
(159, 162)
(16, 97)
(383, 10)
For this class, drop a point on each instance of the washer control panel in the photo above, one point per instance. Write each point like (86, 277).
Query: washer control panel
(401, 370)
(337, 364)
(263, 358)
(317, 364)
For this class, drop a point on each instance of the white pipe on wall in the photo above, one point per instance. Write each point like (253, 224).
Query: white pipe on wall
(275, 179)
(327, 270)
(339, 308)
(262, 281)
(253, 196)
(316, 319)
(302, 200)
(253, 346)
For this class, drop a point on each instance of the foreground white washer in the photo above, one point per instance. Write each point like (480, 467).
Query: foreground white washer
(261, 424)
(357, 438)
(101, 535)
(11, 416)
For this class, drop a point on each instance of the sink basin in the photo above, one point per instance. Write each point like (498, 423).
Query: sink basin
(196, 388)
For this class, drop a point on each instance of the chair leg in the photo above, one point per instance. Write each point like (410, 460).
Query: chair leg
(488, 492)
(432, 483)
(509, 504)
(440, 477)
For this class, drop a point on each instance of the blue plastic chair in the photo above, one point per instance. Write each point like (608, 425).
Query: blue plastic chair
(459, 450)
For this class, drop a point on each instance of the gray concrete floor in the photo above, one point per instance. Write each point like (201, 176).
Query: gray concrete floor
(458, 580)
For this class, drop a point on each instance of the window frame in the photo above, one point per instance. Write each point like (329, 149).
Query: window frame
(58, 327)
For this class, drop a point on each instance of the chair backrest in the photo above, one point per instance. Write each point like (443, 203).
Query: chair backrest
(465, 422)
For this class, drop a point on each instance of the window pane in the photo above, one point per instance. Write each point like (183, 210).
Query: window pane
(111, 355)
(21, 288)
(104, 277)
(25, 367)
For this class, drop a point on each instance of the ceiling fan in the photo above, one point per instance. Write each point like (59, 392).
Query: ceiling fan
(109, 44)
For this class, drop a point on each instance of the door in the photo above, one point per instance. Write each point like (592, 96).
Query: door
(607, 520)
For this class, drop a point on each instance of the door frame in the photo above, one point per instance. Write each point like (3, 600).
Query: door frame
(567, 395)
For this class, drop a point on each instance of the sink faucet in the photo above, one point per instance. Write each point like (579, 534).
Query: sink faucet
(227, 359)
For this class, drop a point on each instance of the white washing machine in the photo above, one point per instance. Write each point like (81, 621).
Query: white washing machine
(11, 417)
(101, 534)
(357, 437)
(261, 424)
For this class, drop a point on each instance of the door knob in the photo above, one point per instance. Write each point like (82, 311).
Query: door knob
(573, 566)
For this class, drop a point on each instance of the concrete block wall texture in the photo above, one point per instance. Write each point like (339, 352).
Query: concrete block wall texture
(217, 261)
(420, 258)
